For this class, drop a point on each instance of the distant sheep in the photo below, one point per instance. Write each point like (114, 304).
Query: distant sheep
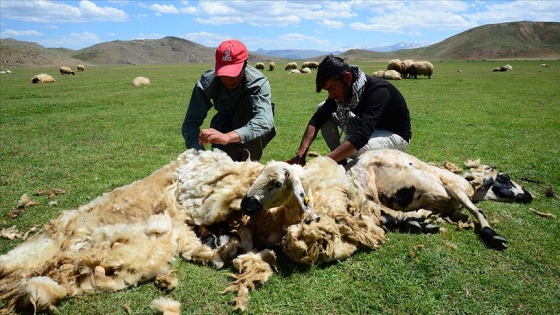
(5, 71)
(379, 73)
(392, 75)
(138, 81)
(66, 70)
(291, 65)
(310, 64)
(306, 70)
(271, 66)
(407, 63)
(260, 66)
(81, 68)
(424, 68)
(396, 64)
(500, 69)
(544, 65)
(43, 78)
(295, 71)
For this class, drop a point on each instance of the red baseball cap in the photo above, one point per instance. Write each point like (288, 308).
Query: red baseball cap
(230, 57)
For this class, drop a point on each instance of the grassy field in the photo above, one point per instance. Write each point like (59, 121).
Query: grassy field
(93, 132)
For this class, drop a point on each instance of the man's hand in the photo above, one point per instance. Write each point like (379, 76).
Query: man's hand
(212, 135)
(297, 160)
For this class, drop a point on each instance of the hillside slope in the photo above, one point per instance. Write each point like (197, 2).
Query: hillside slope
(148, 51)
(493, 41)
(21, 53)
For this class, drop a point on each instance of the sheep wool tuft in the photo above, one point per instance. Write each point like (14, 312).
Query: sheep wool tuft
(167, 306)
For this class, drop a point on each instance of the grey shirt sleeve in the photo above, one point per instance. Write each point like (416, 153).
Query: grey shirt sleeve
(197, 111)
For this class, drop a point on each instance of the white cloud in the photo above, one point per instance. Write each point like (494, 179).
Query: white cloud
(44, 11)
(164, 8)
(14, 33)
(331, 24)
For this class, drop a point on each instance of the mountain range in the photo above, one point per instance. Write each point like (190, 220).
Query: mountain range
(510, 40)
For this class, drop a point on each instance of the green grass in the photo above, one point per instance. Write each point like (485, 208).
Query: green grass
(92, 132)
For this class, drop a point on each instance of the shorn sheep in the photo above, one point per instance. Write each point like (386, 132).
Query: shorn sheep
(81, 67)
(324, 215)
(411, 190)
(138, 81)
(260, 65)
(66, 70)
(43, 78)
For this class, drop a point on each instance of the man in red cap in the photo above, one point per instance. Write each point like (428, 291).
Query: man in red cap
(240, 94)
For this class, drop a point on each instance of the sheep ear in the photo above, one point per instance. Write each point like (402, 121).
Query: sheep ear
(299, 193)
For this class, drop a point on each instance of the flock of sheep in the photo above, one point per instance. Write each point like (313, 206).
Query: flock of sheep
(292, 67)
(398, 70)
(65, 70)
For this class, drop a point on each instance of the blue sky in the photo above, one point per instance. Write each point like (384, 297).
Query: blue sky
(321, 25)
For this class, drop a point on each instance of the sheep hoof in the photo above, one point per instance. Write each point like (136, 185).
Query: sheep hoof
(493, 239)
(431, 229)
(414, 227)
(388, 221)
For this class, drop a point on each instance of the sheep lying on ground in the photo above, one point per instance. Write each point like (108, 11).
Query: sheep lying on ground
(392, 75)
(43, 78)
(424, 68)
(544, 65)
(81, 68)
(295, 71)
(379, 73)
(260, 65)
(291, 66)
(338, 219)
(66, 70)
(410, 189)
(138, 81)
(503, 68)
(305, 70)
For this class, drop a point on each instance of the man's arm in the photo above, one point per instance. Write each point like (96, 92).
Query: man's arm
(308, 137)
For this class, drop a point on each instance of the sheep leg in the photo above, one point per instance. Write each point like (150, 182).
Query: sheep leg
(487, 234)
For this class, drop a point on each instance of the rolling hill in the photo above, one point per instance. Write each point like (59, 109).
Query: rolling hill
(512, 40)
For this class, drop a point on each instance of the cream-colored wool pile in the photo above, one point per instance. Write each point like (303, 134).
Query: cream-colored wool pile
(133, 234)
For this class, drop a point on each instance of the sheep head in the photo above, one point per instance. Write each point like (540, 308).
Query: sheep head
(277, 183)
